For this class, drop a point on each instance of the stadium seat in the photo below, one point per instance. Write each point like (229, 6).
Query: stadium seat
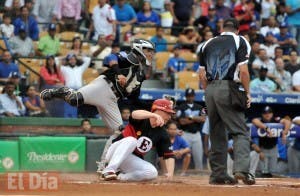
(69, 35)
(188, 56)
(171, 40)
(89, 75)
(186, 79)
(34, 64)
(161, 59)
(43, 33)
(2, 46)
(142, 36)
(286, 58)
(145, 30)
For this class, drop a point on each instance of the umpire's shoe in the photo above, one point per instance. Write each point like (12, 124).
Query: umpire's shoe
(49, 94)
(107, 176)
(246, 177)
(223, 180)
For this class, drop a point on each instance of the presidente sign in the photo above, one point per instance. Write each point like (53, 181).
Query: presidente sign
(52, 153)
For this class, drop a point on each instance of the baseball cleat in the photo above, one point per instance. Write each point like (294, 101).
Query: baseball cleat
(108, 176)
(224, 180)
(247, 178)
(49, 94)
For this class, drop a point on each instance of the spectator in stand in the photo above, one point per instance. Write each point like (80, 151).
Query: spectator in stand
(77, 49)
(30, 23)
(68, 14)
(222, 11)
(283, 78)
(102, 49)
(271, 27)
(14, 77)
(14, 10)
(281, 14)
(6, 28)
(210, 20)
(263, 61)
(35, 106)
(180, 147)
(176, 64)
(125, 114)
(166, 17)
(189, 38)
(7, 66)
(147, 17)
(253, 55)
(268, 144)
(191, 120)
(158, 5)
(268, 8)
(293, 10)
(269, 45)
(244, 13)
(262, 84)
(29, 4)
(44, 11)
(296, 81)
(86, 127)
(125, 14)
(10, 104)
(278, 52)
(9, 4)
(52, 77)
(183, 14)
(294, 152)
(293, 65)
(160, 42)
(72, 72)
(285, 39)
(254, 35)
(49, 44)
(103, 21)
(22, 45)
(206, 36)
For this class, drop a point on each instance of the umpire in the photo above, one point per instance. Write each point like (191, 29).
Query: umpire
(225, 77)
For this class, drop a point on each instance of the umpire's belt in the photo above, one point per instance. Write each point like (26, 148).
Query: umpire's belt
(114, 90)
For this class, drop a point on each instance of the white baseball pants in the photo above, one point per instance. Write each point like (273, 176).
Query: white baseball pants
(132, 168)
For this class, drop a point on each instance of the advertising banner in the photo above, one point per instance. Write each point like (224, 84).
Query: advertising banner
(9, 156)
(52, 153)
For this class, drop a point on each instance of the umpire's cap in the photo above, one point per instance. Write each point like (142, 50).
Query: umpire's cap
(163, 105)
(231, 23)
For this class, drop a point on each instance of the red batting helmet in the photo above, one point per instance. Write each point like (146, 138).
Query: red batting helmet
(163, 105)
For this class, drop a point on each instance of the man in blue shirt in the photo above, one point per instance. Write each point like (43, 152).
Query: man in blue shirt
(7, 67)
(29, 22)
(285, 39)
(180, 147)
(159, 41)
(125, 14)
(293, 10)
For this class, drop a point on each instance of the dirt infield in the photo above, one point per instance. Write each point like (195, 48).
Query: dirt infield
(89, 184)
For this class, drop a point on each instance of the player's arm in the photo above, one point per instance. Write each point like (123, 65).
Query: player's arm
(286, 127)
(143, 114)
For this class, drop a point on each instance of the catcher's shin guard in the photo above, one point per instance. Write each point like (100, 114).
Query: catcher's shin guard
(75, 99)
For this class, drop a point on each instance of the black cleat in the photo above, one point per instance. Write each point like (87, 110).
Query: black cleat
(226, 180)
(49, 94)
(247, 178)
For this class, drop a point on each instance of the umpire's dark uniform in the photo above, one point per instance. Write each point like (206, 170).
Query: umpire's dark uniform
(221, 57)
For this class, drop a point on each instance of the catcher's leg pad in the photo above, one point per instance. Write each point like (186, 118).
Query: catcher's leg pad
(75, 99)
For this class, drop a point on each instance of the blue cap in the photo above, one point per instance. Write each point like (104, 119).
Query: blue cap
(267, 109)
(253, 25)
(14, 74)
(22, 28)
(269, 33)
(189, 92)
(69, 56)
(51, 26)
(283, 25)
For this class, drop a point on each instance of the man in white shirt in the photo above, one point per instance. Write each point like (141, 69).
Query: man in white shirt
(263, 61)
(10, 104)
(9, 4)
(103, 20)
(296, 81)
(44, 11)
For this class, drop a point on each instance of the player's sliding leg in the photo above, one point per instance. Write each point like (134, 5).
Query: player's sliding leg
(116, 154)
(134, 168)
